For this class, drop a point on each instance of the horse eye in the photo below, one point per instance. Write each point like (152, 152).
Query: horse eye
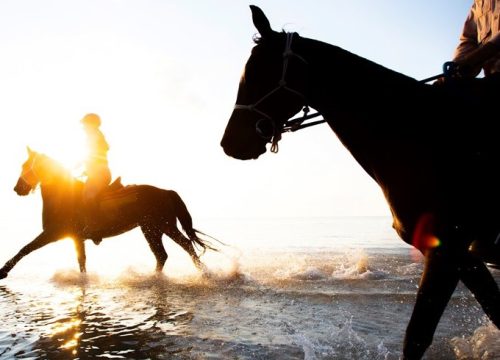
(265, 128)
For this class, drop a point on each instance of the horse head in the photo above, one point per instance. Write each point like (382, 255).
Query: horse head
(271, 90)
(37, 169)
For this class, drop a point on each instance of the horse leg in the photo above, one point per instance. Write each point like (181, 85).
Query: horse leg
(184, 242)
(478, 279)
(41, 240)
(438, 282)
(153, 237)
(80, 254)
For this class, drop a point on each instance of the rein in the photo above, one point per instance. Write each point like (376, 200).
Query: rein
(299, 123)
(450, 69)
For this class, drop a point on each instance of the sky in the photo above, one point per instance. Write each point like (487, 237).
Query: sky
(163, 76)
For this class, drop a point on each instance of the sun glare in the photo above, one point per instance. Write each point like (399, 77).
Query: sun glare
(66, 147)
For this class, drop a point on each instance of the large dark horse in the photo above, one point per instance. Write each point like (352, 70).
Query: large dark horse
(433, 150)
(122, 208)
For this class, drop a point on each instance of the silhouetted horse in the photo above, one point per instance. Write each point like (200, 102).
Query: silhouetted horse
(155, 210)
(433, 150)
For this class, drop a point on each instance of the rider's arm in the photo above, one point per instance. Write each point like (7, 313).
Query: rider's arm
(468, 44)
(475, 49)
(468, 38)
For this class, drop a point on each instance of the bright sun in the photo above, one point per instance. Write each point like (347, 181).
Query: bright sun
(66, 146)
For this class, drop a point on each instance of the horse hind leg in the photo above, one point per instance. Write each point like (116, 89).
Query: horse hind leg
(153, 237)
(174, 233)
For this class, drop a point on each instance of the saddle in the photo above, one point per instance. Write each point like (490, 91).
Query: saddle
(115, 196)
(107, 205)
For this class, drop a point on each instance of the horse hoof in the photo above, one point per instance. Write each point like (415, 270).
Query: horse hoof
(3, 274)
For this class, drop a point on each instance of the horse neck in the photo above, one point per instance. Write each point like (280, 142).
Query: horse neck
(59, 195)
(359, 98)
(342, 80)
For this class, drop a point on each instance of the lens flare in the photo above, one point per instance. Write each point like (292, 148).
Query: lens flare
(424, 237)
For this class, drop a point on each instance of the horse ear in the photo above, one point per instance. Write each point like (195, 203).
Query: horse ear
(29, 150)
(260, 21)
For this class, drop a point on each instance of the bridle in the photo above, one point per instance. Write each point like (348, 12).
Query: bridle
(290, 125)
(274, 135)
(31, 173)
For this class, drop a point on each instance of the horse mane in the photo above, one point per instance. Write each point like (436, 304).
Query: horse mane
(258, 39)
(57, 168)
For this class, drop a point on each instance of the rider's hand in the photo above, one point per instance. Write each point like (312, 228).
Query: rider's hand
(440, 81)
(471, 64)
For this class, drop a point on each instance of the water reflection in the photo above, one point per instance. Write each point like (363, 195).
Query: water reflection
(87, 322)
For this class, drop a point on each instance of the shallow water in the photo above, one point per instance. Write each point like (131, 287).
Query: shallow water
(285, 289)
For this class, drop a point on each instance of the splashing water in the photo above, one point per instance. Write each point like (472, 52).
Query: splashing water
(287, 296)
(484, 344)
(357, 267)
(342, 343)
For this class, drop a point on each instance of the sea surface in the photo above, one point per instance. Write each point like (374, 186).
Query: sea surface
(282, 288)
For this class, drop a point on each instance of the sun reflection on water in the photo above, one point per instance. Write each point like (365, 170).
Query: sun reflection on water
(68, 331)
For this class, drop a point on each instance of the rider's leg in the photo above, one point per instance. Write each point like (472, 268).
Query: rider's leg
(91, 206)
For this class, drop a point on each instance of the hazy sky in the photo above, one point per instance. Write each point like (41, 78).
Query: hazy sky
(163, 75)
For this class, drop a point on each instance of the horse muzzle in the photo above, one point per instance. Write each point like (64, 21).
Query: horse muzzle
(241, 139)
(22, 188)
(242, 150)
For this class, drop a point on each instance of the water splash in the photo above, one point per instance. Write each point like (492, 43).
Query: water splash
(73, 277)
(343, 343)
(306, 273)
(484, 344)
(227, 273)
(357, 267)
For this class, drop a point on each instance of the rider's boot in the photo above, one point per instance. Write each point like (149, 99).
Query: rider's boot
(90, 214)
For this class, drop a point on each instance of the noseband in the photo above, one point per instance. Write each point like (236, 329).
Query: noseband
(31, 173)
(273, 134)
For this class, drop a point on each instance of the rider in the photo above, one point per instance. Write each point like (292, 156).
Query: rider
(479, 46)
(96, 167)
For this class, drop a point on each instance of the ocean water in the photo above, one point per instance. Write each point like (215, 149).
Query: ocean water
(282, 288)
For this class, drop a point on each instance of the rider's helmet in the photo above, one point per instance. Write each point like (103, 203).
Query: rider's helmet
(91, 120)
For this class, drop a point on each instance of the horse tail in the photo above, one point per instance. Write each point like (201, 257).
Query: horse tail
(186, 221)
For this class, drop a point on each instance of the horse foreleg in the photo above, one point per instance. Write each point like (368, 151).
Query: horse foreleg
(41, 240)
(478, 279)
(80, 254)
(438, 282)
(185, 243)
(153, 237)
